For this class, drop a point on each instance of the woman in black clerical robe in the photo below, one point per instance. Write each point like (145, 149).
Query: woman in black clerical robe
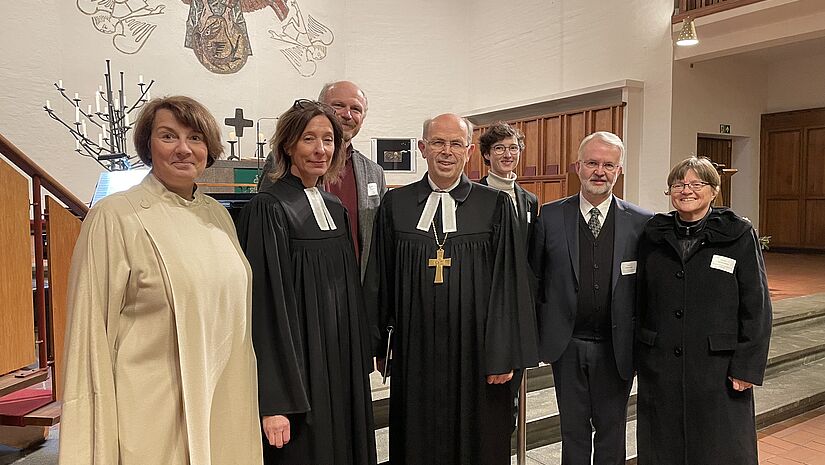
(309, 326)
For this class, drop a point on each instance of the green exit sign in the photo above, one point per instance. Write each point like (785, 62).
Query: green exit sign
(724, 128)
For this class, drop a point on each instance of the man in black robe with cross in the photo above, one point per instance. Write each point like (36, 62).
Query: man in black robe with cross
(448, 273)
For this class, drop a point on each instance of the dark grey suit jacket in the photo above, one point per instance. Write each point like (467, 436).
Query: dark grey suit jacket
(371, 186)
(554, 258)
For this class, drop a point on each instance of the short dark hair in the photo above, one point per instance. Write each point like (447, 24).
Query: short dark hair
(702, 166)
(291, 125)
(187, 111)
(498, 131)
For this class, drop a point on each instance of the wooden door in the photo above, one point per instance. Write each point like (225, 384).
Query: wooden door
(792, 175)
(719, 151)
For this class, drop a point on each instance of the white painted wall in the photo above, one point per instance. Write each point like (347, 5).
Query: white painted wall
(47, 40)
(414, 59)
(535, 47)
(796, 83)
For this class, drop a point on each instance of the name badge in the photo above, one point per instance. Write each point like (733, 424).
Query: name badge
(628, 268)
(372, 189)
(529, 218)
(723, 263)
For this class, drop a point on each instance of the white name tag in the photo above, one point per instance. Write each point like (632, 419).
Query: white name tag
(529, 218)
(372, 189)
(628, 268)
(723, 263)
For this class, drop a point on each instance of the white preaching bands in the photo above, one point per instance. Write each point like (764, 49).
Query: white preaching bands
(319, 209)
(444, 198)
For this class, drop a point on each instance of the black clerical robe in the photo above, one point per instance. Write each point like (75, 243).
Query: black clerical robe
(448, 337)
(309, 327)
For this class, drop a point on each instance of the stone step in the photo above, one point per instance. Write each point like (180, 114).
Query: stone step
(787, 394)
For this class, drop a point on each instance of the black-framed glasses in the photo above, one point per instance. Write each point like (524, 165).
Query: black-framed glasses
(499, 149)
(679, 187)
(455, 146)
(303, 104)
(607, 166)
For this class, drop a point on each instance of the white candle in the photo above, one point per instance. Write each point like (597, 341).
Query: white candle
(89, 110)
(100, 140)
(261, 137)
(97, 102)
(48, 105)
(60, 83)
(126, 116)
(76, 144)
(76, 97)
(232, 136)
(76, 114)
(140, 79)
(117, 104)
(83, 127)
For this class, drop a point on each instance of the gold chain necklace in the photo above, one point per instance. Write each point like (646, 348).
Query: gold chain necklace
(439, 262)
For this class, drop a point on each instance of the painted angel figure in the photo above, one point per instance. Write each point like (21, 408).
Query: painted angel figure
(120, 18)
(309, 39)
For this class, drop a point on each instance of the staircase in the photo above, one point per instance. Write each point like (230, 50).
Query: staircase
(794, 383)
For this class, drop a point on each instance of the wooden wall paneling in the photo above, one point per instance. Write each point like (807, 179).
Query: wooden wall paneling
(618, 120)
(602, 120)
(17, 345)
(62, 230)
(531, 157)
(815, 163)
(553, 159)
(783, 162)
(782, 223)
(552, 189)
(815, 223)
(575, 130)
(531, 187)
(475, 167)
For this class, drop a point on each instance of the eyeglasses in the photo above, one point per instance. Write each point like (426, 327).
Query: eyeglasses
(499, 149)
(679, 187)
(303, 104)
(455, 146)
(607, 166)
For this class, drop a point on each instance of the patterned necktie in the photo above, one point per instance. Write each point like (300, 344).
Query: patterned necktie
(593, 224)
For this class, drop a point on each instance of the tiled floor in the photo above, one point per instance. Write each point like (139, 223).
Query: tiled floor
(794, 275)
(799, 440)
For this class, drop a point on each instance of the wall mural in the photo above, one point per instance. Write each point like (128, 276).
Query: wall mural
(308, 40)
(216, 30)
(119, 18)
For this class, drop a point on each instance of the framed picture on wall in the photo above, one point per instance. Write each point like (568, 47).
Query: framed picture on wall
(396, 155)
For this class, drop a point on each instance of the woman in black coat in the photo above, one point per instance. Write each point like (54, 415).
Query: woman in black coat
(703, 328)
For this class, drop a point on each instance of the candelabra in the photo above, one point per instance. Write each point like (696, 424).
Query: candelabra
(112, 124)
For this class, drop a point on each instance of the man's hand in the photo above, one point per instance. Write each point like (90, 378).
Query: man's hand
(276, 429)
(740, 385)
(499, 379)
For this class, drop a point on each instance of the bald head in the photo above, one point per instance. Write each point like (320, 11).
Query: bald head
(446, 146)
(349, 103)
(449, 119)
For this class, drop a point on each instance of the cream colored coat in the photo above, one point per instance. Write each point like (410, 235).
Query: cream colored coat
(159, 361)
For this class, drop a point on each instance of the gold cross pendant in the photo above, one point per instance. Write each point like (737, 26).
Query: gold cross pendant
(439, 262)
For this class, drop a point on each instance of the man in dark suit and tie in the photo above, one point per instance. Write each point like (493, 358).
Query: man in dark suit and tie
(583, 254)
